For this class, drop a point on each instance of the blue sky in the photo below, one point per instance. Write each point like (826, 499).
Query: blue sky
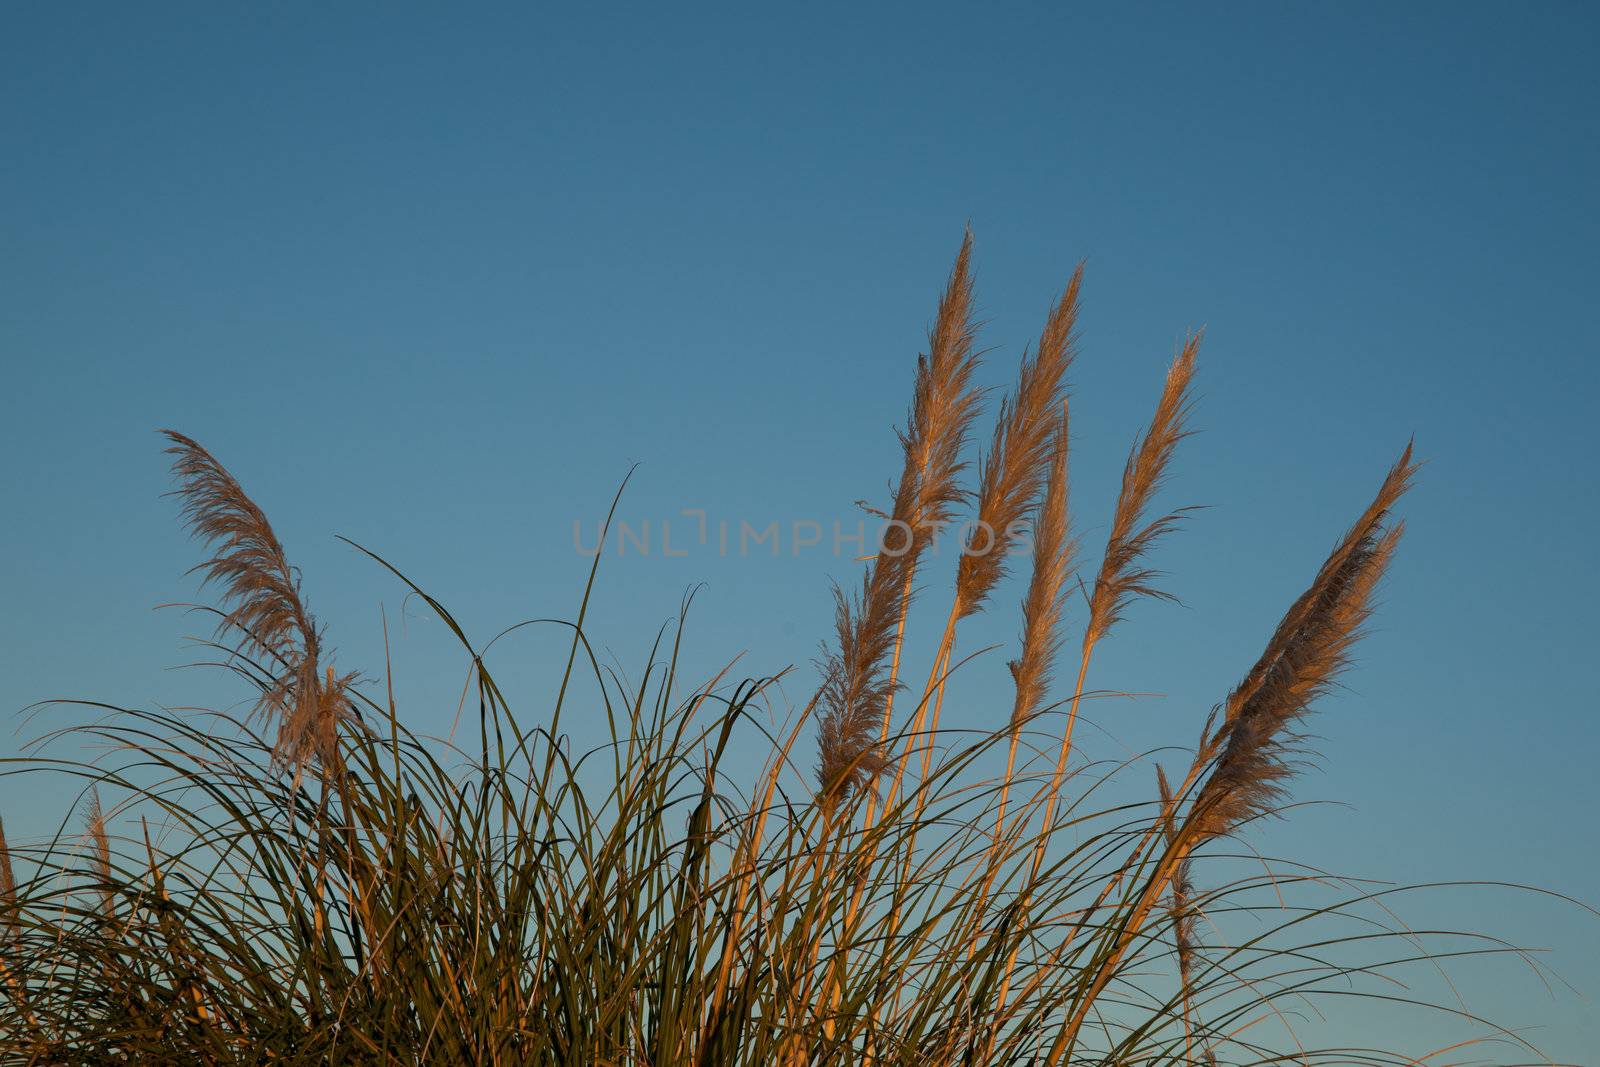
(435, 281)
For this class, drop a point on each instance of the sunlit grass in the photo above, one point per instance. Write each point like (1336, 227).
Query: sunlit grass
(312, 882)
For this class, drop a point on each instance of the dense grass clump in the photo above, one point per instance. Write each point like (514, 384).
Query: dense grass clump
(312, 882)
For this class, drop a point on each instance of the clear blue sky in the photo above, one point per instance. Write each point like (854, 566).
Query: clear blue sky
(435, 279)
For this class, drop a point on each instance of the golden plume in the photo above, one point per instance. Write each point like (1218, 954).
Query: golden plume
(1013, 474)
(858, 682)
(1054, 553)
(1122, 574)
(266, 609)
(1256, 744)
(8, 889)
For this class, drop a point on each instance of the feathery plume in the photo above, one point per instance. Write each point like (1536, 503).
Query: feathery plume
(857, 678)
(1181, 891)
(1053, 557)
(1327, 585)
(856, 685)
(1311, 646)
(8, 889)
(1252, 752)
(95, 824)
(1183, 923)
(944, 405)
(1010, 479)
(267, 609)
(1122, 576)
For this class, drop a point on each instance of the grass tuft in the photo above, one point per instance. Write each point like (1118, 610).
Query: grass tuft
(312, 882)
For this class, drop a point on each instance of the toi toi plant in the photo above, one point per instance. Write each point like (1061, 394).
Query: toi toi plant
(312, 882)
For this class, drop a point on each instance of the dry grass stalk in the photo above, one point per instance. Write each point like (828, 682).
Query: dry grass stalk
(267, 610)
(11, 929)
(1123, 574)
(100, 855)
(1183, 917)
(1054, 554)
(8, 878)
(8, 890)
(1253, 750)
(860, 674)
(1013, 475)
(1303, 658)
(857, 687)
(745, 868)
(945, 403)
(173, 933)
(1010, 481)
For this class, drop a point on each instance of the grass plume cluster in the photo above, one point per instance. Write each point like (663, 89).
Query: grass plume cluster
(313, 882)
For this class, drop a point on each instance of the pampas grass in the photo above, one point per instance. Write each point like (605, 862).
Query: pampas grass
(1013, 474)
(1010, 480)
(1054, 554)
(8, 887)
(861, 672)
(312, 882)
(265, 610)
